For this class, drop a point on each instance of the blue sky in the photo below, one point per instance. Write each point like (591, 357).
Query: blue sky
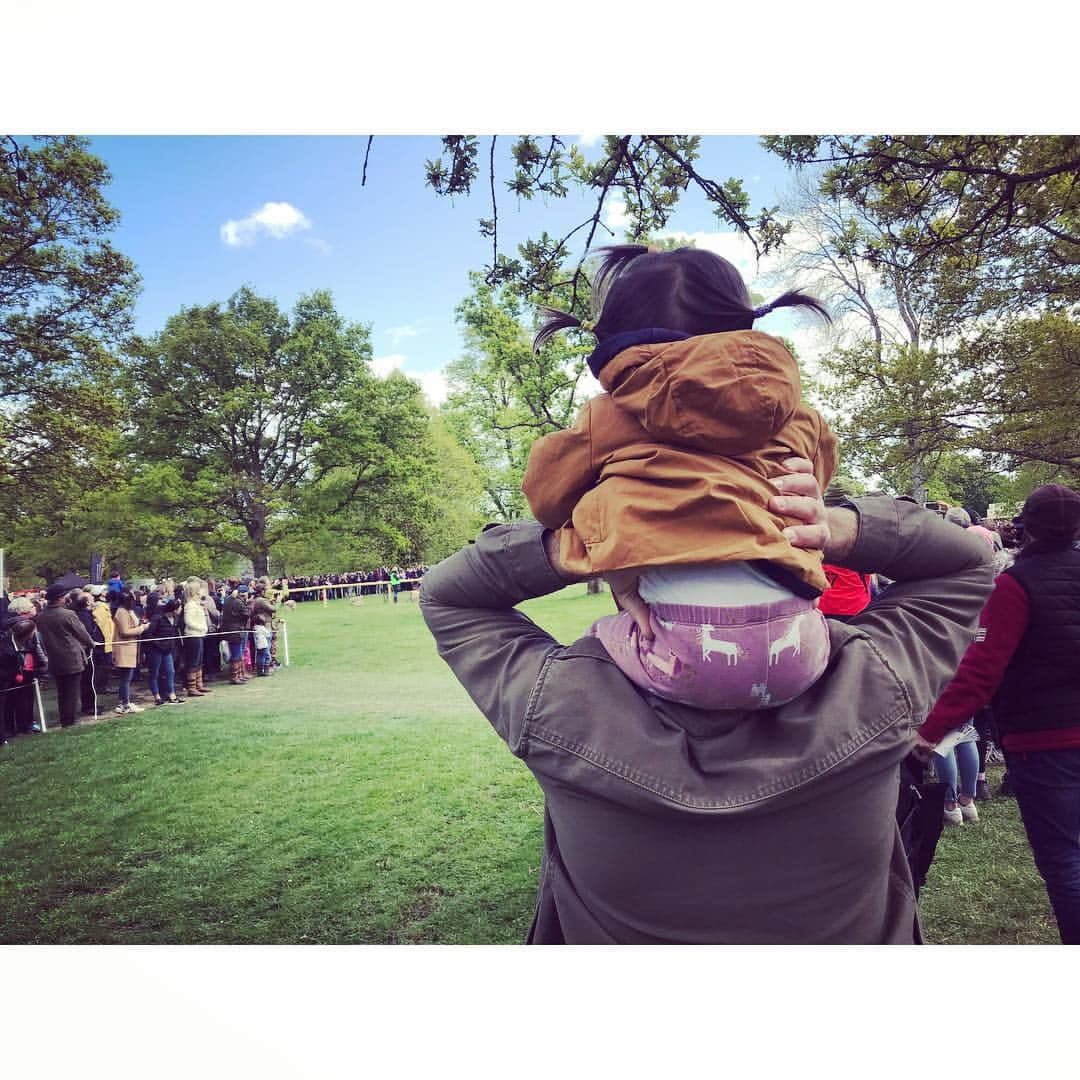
(195, 219)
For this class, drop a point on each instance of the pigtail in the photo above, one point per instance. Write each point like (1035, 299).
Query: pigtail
(794, 298)
(554, 321)
(616, 258)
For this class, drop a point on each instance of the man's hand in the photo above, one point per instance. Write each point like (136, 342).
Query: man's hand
(922, 749)
(800, 498)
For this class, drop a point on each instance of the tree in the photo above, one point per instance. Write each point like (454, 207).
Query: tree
(255, 408)
(889, 384)
(503, 397)
(428, 512)
(1025, 381)
(65, 293)
(66, 297)
(993, 221)
(648, 173)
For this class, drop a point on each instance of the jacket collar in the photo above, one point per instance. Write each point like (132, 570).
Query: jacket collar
(612, 346)
(1042, 547)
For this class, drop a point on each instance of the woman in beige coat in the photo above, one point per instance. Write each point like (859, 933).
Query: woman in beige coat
(126, 633)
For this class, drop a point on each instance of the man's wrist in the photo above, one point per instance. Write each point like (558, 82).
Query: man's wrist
(551, 550)
(843, 532)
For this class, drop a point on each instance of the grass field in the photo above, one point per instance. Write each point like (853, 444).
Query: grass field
(354, 797)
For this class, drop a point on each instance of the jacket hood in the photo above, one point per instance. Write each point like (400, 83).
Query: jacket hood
(726, 393)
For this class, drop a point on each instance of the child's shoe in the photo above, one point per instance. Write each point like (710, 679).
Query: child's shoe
(968, 811)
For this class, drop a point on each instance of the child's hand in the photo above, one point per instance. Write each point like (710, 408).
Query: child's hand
(623, 584)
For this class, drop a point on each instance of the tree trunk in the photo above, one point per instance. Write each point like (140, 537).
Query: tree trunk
(256, 530)
(918, 480)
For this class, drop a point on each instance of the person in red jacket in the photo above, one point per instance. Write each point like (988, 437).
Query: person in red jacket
(1024, 659)
(848, 592)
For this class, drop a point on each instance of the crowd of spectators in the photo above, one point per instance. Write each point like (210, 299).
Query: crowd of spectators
(96, 641)
(356, 583)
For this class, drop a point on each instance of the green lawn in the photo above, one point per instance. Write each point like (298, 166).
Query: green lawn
(356, 796)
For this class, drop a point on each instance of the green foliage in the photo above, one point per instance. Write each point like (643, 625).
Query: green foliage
(503, 397)
(992, 221)
(274, 423)
(932, 358)
(649, 173)
(65, 292)
(1024, 388)
(65, 306)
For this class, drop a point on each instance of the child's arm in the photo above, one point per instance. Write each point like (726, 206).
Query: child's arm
(560, 470)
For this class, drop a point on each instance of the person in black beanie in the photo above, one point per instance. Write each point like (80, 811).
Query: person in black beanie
(1024, 659)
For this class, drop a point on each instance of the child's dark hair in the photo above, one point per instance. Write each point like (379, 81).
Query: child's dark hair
(687, 289)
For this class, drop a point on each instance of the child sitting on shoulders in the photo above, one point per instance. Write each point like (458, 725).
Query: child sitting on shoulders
(663, 482)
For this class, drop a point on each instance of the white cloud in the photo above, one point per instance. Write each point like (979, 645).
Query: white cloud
(383, 365)
(588, 140)
(399, 333)
(276, 219)
(434, 386)
(615, 214)
(433, 383)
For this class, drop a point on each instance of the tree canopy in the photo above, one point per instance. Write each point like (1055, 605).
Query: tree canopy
(258, 410)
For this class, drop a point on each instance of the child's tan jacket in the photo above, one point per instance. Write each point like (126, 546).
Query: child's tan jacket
(671, 465)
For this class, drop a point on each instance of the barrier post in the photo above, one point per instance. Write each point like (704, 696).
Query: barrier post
(285, 640)
(40, 706)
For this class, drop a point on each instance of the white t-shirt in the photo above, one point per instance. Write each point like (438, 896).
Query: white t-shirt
(734, 584)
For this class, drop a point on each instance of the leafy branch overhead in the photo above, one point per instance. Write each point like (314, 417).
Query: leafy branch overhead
(648, 173)
(994, 220)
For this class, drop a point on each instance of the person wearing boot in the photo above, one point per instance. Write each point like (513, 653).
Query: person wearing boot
(235, 618)
(196, 627)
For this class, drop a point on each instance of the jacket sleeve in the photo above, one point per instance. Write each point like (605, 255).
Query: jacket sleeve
(560, 470)
(942, 576)
(41, 658)
(468, 601)
(79, 632)
(1002, 624)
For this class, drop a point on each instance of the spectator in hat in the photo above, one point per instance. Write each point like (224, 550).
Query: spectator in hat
(66, 643)
(22, 660)
(21, 657)
(1024, 659)
(114, 589)
(103, 617)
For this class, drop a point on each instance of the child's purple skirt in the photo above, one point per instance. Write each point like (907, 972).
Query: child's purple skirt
(753, 657)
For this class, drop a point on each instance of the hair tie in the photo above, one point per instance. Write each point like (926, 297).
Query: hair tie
(763, 310)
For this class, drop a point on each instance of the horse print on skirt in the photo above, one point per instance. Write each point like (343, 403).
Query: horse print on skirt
(749, 658)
